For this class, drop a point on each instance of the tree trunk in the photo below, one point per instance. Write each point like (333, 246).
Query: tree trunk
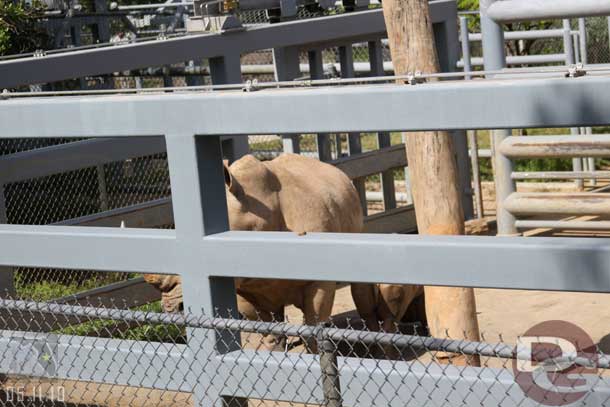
(434, 174)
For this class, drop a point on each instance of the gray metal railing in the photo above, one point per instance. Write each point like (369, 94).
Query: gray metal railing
(207, 256)
(509, 204)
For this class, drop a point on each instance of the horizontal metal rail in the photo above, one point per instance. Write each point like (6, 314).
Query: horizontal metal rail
(170, 364)
(149, 214)
(521, 60)
(372, 162)
(559, 175)
(135, 250)
(558, 203)
(525, 35)
(408, 259)
(596, 145)
(154, 5)
(317, 32)
(563, 224)
(397, 220)
(45, 161)
(371, 108)
(510, 11)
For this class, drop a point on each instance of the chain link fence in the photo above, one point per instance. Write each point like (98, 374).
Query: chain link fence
(60, 197)
(597, 40)
(83, 355)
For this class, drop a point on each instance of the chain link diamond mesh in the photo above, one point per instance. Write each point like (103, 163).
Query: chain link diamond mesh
(60, 197)
(63, 354)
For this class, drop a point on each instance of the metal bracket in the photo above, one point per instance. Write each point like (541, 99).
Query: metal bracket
(413, 78)
(576, 71)
(250, 85)
(39, 53)
(217, 24)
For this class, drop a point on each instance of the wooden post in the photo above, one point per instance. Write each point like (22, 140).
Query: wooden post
(434, 174)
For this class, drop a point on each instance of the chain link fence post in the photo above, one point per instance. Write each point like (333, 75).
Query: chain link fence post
(331, 386)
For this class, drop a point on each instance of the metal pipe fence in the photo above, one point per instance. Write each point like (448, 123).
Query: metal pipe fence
(210, 364)
(207, 354)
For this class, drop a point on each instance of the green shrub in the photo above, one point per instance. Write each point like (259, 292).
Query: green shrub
(19, 28)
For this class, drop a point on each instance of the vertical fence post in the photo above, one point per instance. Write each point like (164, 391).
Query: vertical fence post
(200, 209)
(103, 22)
(354, 142)
(584, 58)
(383, 138)
(102, 187)
(591, 160)
(448, 46)
(465, 43)
(576, 47)
(7, 274)
(226, 70)
(582, 38)
(316, 71)
(494, 57)
(609, 29)
(329, 367)
(193, 80)
(472, 135)
(168, 81)
(287, 68)
(568, 47)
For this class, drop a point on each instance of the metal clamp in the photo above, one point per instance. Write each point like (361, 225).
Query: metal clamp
(413, 78)
(250, 85)
(576, 71)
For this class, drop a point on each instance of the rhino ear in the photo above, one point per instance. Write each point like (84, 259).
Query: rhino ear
(229, 181)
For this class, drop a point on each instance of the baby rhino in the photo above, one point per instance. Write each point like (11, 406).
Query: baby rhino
(290, 193)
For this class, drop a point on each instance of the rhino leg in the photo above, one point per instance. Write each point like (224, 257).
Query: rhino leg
(394, 300)
(252, 313)
(318, 299)
(365, 298)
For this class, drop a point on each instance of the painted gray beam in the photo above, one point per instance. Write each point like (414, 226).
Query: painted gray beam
(523, 35)
(148, 214)
(517, 263)
(44, 161)
(520, 60)
(383, 138)
(226, 70)
(291, 377)
(348, 27)
(123, 294)
(437, 106)
(89, 248)
(286, 68)
(407, 259)
(510, 11)
(97, 360)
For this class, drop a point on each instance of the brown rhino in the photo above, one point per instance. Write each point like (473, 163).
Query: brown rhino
(290, 193)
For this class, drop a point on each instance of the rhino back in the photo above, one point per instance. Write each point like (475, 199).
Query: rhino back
(315, 196)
